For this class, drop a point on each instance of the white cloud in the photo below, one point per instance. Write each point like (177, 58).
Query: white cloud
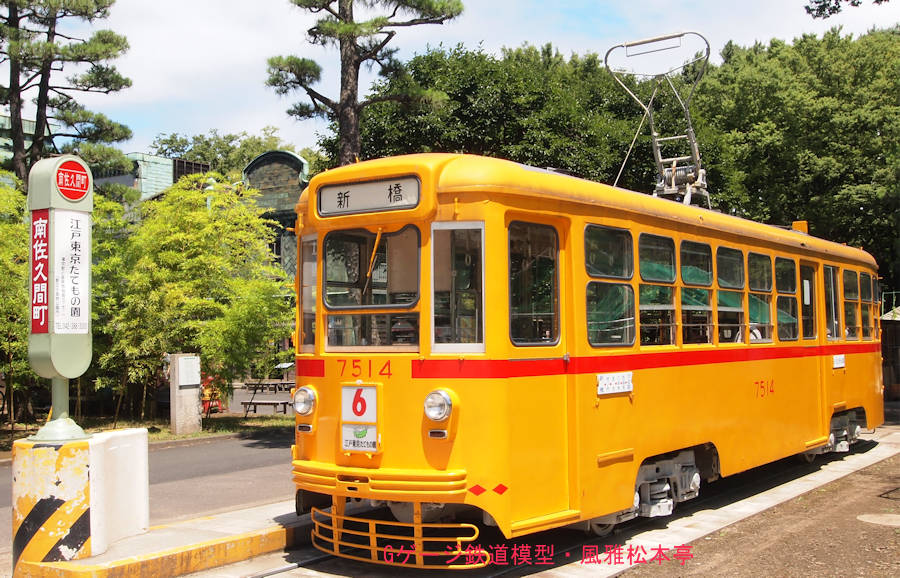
(201, 64)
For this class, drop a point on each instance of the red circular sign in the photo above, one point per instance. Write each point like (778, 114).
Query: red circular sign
(72, 180)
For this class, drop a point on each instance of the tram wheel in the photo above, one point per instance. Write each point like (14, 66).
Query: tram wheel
(601, 530)
(806, 457)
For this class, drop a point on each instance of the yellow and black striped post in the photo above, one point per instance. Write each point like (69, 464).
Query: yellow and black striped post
(51, 510)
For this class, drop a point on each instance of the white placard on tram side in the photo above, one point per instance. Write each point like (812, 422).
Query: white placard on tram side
(609, 383)
(839, 361)
(384, 195)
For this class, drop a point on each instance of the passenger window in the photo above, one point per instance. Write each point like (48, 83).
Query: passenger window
(832, 301)
(657, 258)
(657, 305)
(730, 268)
(808, 303)
(533, 284)
(760, 272)
(785, 275)
(696, 263)
(696, 315)
(787, 318)
(867, 310)
(759, 269)
(608, 252)
(851, 295)
(458, 294)
(610, 314)
(731, 316)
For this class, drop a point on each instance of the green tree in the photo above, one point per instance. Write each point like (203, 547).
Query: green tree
(13, 288)
(38, 41)
(225, 153)
(359, 42)
(198, 262)
(565, 114)
(826, 8)
(810, 131)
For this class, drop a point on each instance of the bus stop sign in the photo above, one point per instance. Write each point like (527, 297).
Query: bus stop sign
(60, 198)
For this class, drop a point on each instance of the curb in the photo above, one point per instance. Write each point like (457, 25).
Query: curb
(180, 560)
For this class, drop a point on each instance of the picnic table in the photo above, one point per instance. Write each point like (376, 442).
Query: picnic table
(277, 406)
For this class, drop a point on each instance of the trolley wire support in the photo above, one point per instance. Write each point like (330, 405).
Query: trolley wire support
(680, 175)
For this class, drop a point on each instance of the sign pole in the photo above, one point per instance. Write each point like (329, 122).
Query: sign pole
(60, 198)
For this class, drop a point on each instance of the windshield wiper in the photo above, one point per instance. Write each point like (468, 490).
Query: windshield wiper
(371, 263)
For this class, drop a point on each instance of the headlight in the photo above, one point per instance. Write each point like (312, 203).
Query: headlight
(438, 405)
(304, 400)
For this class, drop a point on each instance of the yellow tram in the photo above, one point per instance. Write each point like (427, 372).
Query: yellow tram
(481, 339)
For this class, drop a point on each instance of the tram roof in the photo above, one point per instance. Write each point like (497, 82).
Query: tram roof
(458, 173)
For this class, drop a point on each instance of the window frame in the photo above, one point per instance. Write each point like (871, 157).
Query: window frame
(634, 313)
(629, 260)
(718, 273)
(474, 347)
(669, 240)
(363, 262)
(681, 263)
(557, 301)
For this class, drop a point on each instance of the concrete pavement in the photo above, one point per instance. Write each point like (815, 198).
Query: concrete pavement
(214, 541)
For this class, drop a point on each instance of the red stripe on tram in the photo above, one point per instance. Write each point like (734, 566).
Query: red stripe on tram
(310, 367)
(507, 368)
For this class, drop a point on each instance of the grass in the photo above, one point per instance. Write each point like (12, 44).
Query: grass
(158, 429)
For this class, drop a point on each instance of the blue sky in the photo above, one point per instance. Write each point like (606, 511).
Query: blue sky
(201, 64)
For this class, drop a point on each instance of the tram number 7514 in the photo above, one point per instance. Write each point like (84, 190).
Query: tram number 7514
(764, 387)
(364, 368)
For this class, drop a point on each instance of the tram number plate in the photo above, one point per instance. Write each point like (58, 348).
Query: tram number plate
(359, 404)
(359, 437)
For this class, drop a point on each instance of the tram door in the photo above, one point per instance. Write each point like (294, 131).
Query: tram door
(810, 289)
(834, 367)
(538, 387)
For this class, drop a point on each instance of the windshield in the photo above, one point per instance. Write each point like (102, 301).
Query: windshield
(365, 270)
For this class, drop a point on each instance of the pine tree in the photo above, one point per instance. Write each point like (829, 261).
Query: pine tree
(359, 42)
(37, 47)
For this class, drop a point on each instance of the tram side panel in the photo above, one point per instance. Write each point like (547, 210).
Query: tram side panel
(753, 412)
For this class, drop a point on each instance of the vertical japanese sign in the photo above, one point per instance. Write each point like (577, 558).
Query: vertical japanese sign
(40, 268)
(71, 271)
(60, 197)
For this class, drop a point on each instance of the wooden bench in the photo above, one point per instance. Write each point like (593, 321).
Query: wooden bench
(275, 405)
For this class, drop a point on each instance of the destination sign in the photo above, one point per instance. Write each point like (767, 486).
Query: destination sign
(387, 195)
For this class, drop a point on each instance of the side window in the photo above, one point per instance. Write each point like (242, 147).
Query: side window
(609, 253)
(851, 304)
(308, 263)
(866, 310)
(730, 268)
(786, 306)
(760, 299)
(656, 256)
(808, 303)
(610, 313)
(458, 293)
(533, 284)
(730, 275)
(832, 303)
(696, 305)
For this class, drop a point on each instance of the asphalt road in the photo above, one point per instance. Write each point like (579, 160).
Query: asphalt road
(198, 478)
